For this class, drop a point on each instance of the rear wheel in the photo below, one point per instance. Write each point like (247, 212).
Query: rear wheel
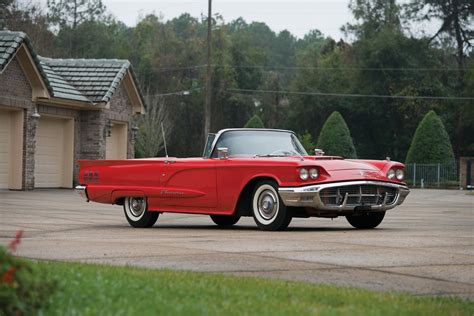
(366, 221)
(225, 221)
(268, 210)
(137, 214)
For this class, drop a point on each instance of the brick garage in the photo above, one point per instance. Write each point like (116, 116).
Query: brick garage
(54, 112)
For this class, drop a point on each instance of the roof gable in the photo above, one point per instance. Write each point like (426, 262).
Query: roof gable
(17, 44)
(87, 81)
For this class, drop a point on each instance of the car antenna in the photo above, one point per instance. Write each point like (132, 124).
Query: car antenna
(164, 139)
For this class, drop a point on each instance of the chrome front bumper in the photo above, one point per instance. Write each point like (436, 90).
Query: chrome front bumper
(82, 191)
(310, 196)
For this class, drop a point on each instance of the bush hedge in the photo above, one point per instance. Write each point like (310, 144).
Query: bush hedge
(335, 138)
(24, 290)
(307, 141)
(431, 143)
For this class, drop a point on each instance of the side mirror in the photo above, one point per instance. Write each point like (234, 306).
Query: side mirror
(318, 152)
(223, 153)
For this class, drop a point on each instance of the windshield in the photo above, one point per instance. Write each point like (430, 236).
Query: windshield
(260, 143)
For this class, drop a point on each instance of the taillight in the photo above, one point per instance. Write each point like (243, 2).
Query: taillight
(91, 176)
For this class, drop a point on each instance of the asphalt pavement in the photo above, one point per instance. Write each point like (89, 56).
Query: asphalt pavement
(425, 246)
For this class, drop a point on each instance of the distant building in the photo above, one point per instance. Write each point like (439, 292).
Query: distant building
(466, 172)
(56, 111)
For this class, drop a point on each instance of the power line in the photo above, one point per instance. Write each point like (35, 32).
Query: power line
(338, 68)
(351, 95)
(182, 92)
(179, 68)
(169, 69)
(156, 70)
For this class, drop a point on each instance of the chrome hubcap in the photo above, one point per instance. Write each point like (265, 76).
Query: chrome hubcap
(137, 206)
(267, 204)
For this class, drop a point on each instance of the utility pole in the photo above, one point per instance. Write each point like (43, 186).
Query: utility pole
(207, 103)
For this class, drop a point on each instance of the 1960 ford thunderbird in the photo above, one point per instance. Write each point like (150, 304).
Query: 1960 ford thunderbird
(262, 173)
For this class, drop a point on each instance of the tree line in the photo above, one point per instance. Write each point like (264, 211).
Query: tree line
(383, 81)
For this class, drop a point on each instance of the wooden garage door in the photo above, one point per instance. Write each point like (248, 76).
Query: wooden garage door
(11, 149)
(54, 152)
(116, 143)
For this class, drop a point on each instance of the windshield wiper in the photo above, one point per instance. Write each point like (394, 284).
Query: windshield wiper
(298, 154)
(270, 155)
(287, 154)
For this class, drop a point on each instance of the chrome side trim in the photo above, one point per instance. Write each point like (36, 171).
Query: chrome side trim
(82, 191)
(309, 196)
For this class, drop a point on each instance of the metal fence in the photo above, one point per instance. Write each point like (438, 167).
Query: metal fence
(432, 175)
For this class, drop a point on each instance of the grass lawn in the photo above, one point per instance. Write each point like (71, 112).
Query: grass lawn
(106, 290)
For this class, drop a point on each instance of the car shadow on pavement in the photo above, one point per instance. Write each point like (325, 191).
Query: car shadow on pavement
(253, 228)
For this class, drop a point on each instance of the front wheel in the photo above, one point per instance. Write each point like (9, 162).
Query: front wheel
(366, 221)
(268, 210)
(225, 221)
(137, 214)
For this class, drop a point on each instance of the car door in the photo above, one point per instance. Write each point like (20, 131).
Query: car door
(189, 183)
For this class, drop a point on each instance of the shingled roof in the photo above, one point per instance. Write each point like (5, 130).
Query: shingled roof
(90, 81)
(9, 43)
(94, 79)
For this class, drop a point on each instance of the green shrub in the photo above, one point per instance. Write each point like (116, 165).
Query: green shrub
(23, 289)
(335, 138)
(307, 141)
(431, 143)
(254, 122)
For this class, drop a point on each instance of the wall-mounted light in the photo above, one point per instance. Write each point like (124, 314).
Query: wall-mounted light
(108, 128)
(134, 132)
(35, 115)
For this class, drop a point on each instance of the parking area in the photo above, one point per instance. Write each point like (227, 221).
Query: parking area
(425, 246)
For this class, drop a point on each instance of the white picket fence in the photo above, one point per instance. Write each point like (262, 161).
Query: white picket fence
(433, 175)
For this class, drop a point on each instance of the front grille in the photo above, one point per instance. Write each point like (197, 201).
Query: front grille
(358, 195)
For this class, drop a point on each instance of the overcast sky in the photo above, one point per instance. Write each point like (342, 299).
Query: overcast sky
(297, 16)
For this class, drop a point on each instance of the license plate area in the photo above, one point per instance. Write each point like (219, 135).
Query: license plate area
(363, 208)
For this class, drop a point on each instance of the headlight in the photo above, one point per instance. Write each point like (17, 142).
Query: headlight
(400, 174)
(391, 174)
(313, 173)
(304, 174)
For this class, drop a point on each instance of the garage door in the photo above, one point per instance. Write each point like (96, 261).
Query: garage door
(11, 148)
(116, 143)
(54, 152)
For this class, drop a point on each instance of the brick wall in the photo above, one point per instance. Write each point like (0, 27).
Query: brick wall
(121, 109)
(13, 83)
(15, 91)
(92, 138)
(463, 171)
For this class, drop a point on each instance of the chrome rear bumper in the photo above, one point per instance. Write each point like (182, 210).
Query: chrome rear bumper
(347, 196)
(82, 191)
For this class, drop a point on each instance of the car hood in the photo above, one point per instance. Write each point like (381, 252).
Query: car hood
(329, 163)
(339, 165)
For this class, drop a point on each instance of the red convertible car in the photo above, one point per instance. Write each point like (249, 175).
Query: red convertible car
(262, 173)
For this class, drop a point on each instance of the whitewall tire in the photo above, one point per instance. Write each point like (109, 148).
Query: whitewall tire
(137, 214)
(268, 210)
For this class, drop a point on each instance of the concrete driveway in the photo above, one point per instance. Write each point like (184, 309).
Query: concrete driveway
(425, 246)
